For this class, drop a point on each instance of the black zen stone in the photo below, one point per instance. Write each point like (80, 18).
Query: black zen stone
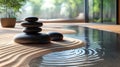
(31, 24)
(31, 19)
(32, 30)
(37, 38)
(55, 36)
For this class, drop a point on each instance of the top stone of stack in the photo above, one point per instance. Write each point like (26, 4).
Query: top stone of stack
(31, 19)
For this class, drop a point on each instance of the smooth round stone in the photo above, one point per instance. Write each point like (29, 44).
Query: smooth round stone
(31, 24)
(32, 30)
(31, 19)
(55, 36)
(37, 38)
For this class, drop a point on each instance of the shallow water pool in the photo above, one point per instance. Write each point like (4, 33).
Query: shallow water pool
(102, 50)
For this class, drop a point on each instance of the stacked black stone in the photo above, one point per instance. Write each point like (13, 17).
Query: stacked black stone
(31, 33)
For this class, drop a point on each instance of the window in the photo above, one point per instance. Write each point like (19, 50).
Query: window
(53, 9)
(102, 11)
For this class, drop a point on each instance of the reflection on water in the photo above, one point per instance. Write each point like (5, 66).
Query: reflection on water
(77, 57)
(102, 50)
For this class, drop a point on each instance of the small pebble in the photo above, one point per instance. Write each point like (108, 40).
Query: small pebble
(56, 36)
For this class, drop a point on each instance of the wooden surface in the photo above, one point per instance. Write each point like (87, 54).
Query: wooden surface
(19, 55)
(63, 20)
(105, 27)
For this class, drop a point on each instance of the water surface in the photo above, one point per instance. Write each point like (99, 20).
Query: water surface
(102, 50)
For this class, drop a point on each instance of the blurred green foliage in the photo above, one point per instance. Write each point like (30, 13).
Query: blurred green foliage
(72, 6)
(10, 7)
(109, 10)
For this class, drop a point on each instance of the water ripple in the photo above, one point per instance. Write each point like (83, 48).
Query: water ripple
(75, 57)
